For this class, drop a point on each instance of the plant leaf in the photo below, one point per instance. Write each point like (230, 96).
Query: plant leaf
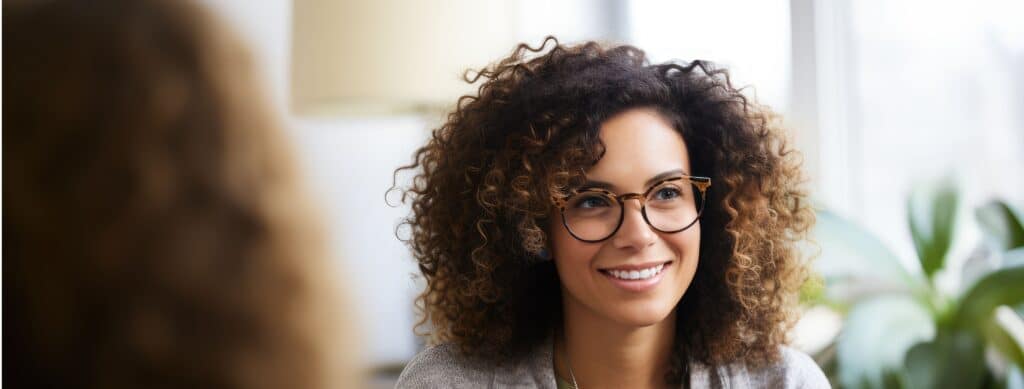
(854, 263)
(1013, 258)
(876, 335)
(1004, 332)
(1001, 225)
(1001, 287)
(931, 212)
(1014, 378)
(954, 359)
(981, 261)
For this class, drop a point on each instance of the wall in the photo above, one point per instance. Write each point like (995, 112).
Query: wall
(348, 163)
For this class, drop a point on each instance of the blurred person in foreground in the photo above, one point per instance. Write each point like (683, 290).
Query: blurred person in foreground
(154, 230)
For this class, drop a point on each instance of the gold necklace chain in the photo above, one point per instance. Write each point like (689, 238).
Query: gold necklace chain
(568, 361)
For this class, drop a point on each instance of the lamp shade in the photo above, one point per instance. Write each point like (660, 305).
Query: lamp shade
(391, 56)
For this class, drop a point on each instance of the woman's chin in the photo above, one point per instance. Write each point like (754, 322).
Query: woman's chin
(642, 316)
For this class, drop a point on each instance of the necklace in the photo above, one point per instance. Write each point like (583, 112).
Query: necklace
(568, 362)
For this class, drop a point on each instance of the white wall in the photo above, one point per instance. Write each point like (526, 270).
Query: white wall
(349, 163)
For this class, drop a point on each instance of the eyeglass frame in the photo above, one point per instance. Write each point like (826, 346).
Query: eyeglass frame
(702, 184)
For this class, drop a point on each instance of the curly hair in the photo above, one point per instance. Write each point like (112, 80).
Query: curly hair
(155, 231)
(482, 191)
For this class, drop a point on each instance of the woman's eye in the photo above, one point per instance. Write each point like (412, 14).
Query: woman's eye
(667, 194)
(592, 202)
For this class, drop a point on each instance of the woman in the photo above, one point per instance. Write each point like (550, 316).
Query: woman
(155, 231)
(591, 220)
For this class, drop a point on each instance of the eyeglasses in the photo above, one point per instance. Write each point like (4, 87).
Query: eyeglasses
(670, 205)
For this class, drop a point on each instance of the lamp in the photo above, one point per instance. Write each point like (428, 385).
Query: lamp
(392, 56)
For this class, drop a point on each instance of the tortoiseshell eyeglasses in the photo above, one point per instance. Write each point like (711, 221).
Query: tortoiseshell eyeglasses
(670, 205)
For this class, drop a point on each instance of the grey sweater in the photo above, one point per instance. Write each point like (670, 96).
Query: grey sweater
(443, 366)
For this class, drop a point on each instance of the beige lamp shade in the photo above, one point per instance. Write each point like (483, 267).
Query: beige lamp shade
(392, 56)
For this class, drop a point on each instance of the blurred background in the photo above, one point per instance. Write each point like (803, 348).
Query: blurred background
(909, 114)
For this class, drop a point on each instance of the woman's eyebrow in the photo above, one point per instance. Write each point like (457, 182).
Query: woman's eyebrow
(595, 184)
(665, 175)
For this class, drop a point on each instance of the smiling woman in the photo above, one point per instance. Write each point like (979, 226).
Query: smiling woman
(591, 220)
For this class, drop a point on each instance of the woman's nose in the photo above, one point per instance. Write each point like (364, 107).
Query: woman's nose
(634, 231)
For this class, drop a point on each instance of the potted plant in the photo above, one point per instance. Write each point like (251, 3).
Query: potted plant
(901, 329)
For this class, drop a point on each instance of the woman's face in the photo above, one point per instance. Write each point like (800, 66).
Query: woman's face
(640, 146)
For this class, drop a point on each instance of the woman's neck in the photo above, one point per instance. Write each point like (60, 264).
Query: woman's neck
(604, 354)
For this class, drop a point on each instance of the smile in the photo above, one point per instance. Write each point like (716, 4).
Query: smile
(636, 278)
(635, 274)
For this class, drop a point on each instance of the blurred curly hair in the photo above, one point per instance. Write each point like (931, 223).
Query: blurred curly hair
(155, 229)
(481, 197)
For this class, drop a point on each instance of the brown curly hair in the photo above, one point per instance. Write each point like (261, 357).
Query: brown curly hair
(155, 233)
(481, 198)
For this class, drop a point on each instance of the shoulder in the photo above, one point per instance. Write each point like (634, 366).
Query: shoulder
(794, 369)
(444, 366)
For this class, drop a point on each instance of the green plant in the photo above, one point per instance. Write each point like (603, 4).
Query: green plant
(900, 328)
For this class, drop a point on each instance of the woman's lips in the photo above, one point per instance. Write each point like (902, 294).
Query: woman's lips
(638, 266)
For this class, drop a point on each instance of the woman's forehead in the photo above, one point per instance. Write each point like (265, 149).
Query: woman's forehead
(640, 146)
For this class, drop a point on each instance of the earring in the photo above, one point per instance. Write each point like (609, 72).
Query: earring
(544, 254)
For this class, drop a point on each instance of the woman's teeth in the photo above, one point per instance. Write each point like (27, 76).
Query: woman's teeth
(636, 274)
